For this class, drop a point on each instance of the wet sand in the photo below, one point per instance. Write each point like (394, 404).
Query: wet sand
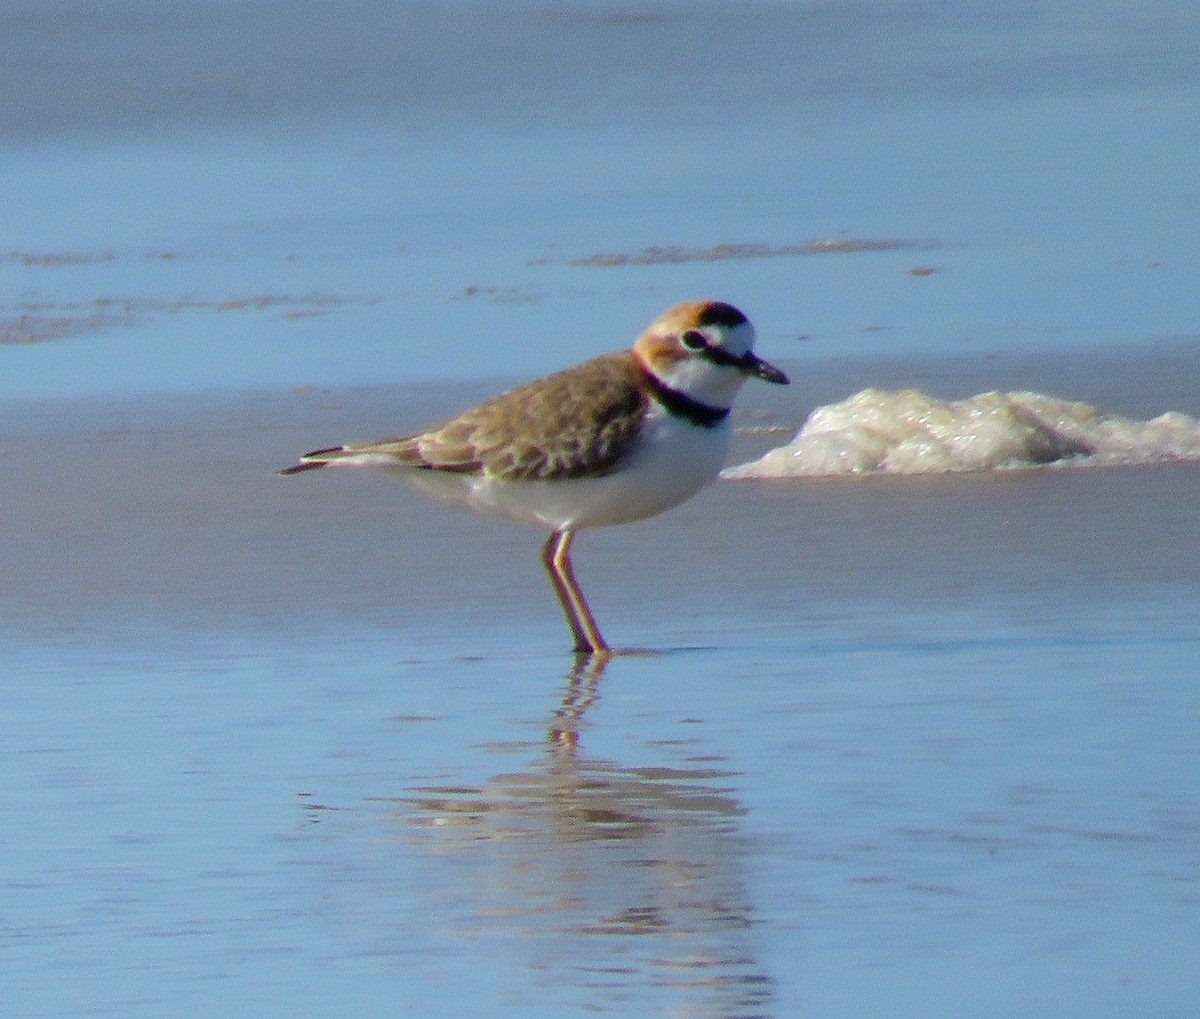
(171, 508)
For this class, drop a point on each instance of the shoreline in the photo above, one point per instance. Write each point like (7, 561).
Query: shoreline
(168, 508)
(1154, 376)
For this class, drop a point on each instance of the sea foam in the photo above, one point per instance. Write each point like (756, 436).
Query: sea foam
(910, 432)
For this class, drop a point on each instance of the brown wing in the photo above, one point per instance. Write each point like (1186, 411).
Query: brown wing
(580, 422)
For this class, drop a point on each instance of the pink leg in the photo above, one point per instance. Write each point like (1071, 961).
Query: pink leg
(556, 557)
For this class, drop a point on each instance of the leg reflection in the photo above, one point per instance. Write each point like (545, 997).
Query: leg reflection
(581, 694)
(618, 885)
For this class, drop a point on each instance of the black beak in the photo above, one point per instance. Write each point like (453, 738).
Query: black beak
(760, 369)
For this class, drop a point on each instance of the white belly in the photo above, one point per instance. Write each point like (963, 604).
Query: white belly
(673, 461)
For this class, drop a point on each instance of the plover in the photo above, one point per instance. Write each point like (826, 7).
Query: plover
(617, 438)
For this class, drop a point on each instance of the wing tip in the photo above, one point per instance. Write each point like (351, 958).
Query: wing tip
(311, 461)
(300, 468)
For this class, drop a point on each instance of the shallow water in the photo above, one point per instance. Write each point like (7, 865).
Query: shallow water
(466, 191)
(944, 809)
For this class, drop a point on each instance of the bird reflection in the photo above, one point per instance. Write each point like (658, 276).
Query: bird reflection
(623, 884)
(582, 690)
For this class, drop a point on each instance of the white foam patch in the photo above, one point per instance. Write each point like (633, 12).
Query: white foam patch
(910, 432)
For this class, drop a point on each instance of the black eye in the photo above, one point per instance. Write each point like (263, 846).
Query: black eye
(693, 340)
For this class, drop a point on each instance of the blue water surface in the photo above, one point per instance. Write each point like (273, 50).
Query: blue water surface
(834, 818)
(420, 196)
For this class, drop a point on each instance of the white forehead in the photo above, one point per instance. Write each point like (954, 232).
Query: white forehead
(737, 339)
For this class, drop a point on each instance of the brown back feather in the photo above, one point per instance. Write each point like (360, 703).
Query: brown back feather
(579, 422)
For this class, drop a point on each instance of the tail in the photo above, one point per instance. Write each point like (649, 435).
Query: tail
(311, 461)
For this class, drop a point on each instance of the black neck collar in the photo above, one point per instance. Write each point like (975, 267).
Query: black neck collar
(681, 405)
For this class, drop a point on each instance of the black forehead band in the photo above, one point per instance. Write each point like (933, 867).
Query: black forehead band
(718, 314)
